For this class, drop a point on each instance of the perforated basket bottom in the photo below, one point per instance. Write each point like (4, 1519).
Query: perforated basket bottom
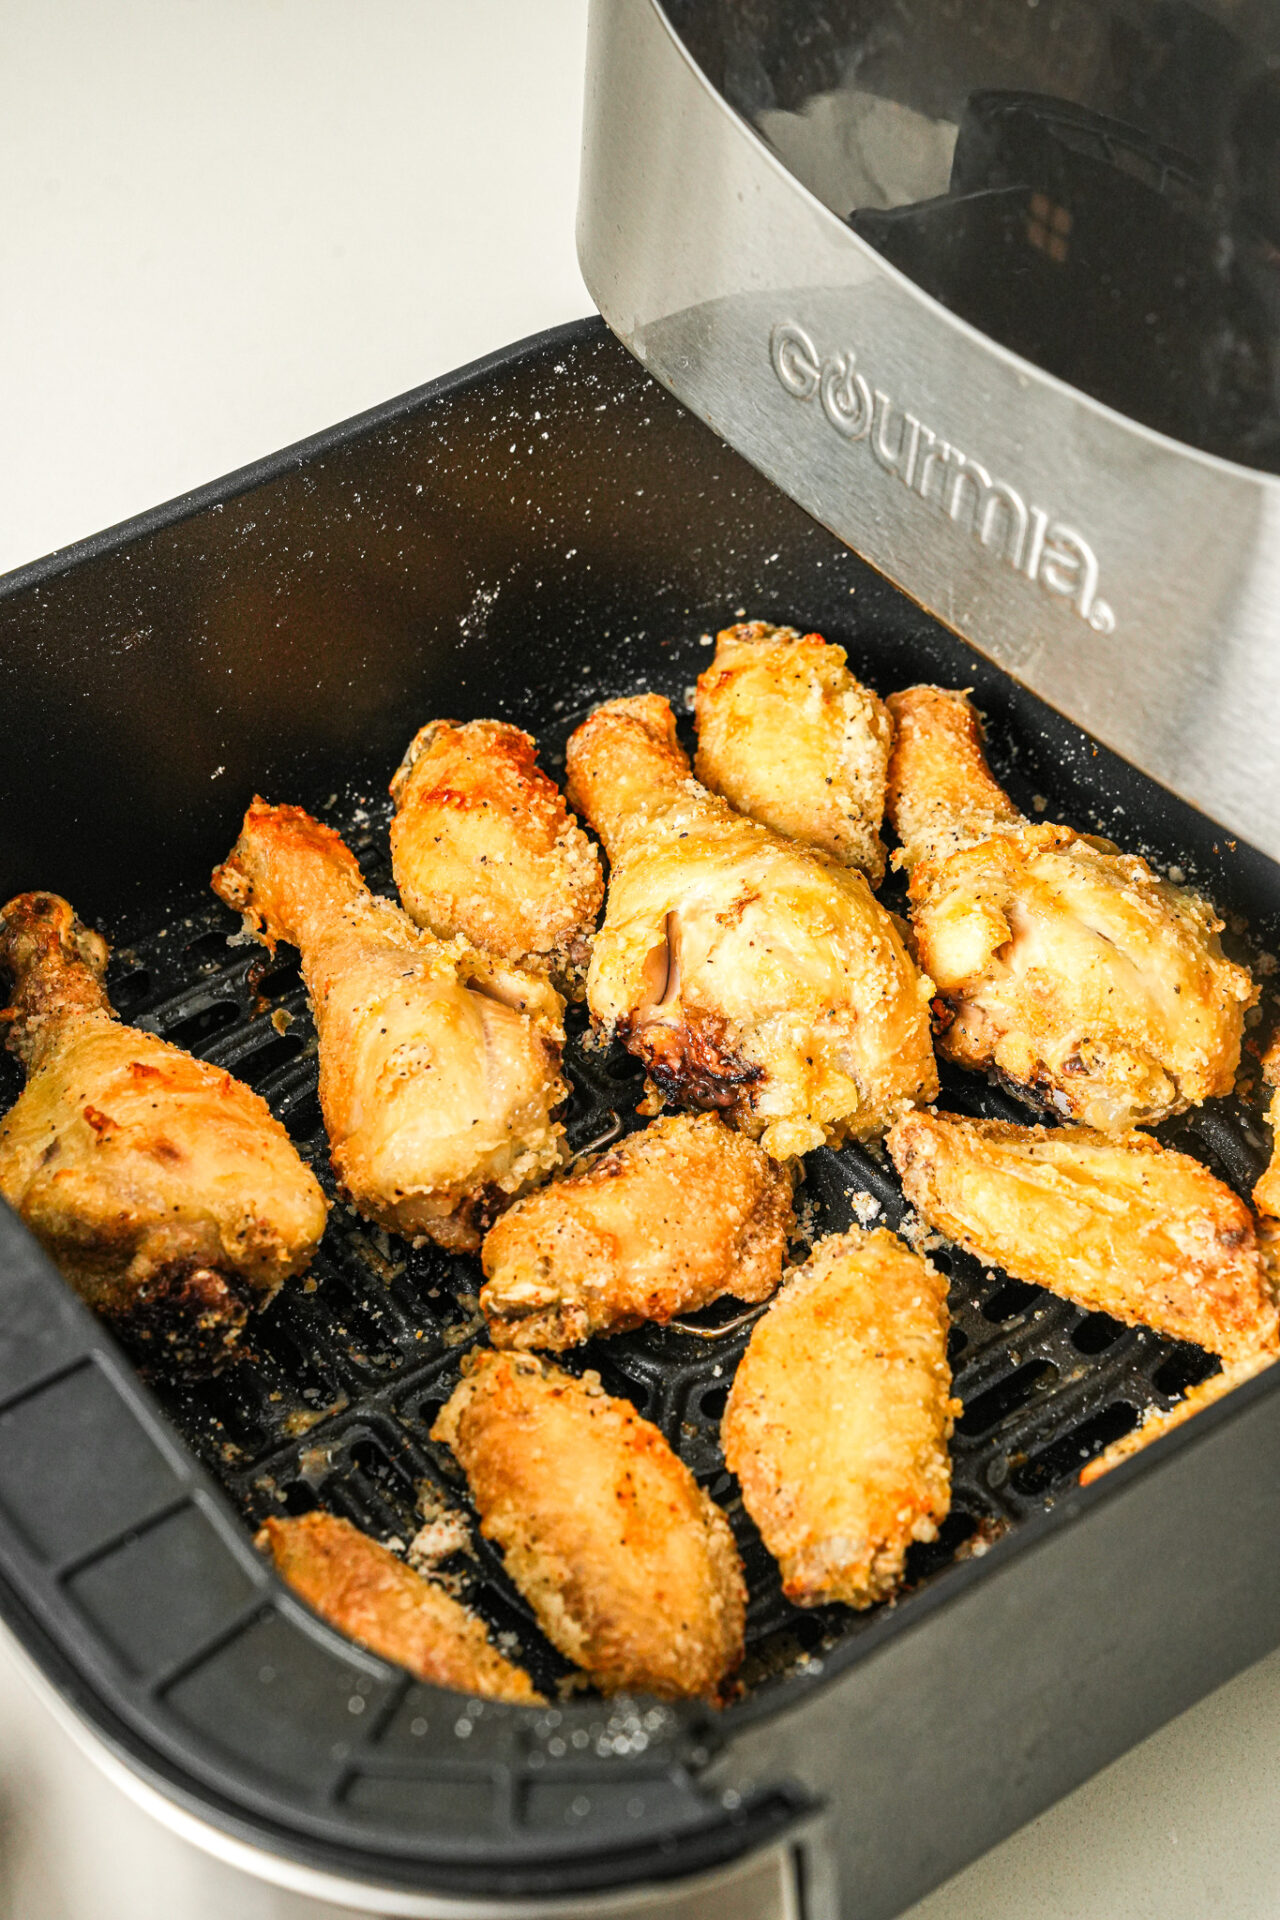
(341, 1378)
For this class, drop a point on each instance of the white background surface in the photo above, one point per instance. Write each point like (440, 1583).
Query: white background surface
(226, 224)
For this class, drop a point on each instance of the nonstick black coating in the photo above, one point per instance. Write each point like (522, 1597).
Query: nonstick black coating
(546, 534)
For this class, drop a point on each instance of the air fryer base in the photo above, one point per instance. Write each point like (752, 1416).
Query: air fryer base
(512, 539)
(764, 1886)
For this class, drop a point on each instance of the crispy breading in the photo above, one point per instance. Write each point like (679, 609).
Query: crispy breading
(483, 845)
(1158, 1420)
(361, 1588)
(165, 1190)
(439, 1068)
(630, 1568)
(1071, 971)
(661, 1224)
(839, 1416)
(940, 791)
(1266, 1195)
(787, 735)
(750, 974)
(1117, 1223)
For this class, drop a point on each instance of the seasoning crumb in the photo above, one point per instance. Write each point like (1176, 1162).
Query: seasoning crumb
(866, 1208)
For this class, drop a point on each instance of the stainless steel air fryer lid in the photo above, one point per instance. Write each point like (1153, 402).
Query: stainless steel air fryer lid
(994, 292)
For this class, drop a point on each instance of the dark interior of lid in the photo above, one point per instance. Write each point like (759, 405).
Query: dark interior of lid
(1094, 183)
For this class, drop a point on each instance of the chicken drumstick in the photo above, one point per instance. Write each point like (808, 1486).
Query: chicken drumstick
(439, 1070)
(1070, 971)
(747, 972)
(165, 1190)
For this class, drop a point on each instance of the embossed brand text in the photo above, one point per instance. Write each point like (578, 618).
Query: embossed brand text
(1042, 549)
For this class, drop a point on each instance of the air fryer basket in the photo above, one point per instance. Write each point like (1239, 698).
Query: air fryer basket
(543, 531)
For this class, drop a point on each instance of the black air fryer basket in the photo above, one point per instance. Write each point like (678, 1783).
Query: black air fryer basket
(523, 539)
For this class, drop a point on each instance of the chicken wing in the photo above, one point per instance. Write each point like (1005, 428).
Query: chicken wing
(439, 1069)
(1117, 1223)
(630, 1568)
(1070, 971)
(662, 1224)
(483, 845)
(166, 1192)
(1266, 1195)
(839, 1416)
(748, 973)
(1158, 1421)
(360, 1588)
(789, 737)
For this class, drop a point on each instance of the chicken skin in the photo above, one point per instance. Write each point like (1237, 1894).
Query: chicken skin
(361, 1588)
(750, 974)
(662, 1224)
(630, 1568)
(1067, 970)
(439, 1069)
(839, 1416)
(1158, 1421)
(483, 845)
(166, 1192)
(789, 737)
(1116, 1223)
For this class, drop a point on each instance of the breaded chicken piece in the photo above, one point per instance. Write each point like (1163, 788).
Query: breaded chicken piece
(360, 1588)
(750, 974)
(1266, 1195)
(630, 1568)
(1157, 1421)
(483, 845)
(166, 1191)
(839, 1416)
(941, 794)
(1117, 1223)
(439, 1069)
(788, 736)
(662, 1224)
(1069, 971)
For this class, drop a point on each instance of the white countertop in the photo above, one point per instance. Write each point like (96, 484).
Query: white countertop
(228, 223)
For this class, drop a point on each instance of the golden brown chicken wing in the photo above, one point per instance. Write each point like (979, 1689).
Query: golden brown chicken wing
(165, 1190)
(360, 1588)
(747, 972)
(839, 1416)
(1117, 1223)
(439, 1069)
(1266, 1195)
(483, 845)
(1157, 1421)
(1071, 971)
(940, 791)
(788, 736)
(662, 1224)
(630, 1568)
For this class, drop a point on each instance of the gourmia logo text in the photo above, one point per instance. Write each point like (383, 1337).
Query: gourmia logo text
(1052, 555)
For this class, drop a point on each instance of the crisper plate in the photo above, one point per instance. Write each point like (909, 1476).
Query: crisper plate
(542, 532)
(343, 1375)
